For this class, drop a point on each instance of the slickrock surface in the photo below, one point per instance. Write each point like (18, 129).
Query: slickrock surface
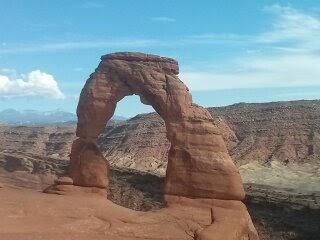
(91, 216)
(198, 161)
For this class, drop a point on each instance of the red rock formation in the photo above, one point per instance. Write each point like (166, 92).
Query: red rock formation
(199, 165)
(229, 219)
(85, 214)
(203, 187)
(88, 167)
(198, 162)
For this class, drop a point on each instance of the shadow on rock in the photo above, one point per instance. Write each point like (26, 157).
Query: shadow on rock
(136, 190)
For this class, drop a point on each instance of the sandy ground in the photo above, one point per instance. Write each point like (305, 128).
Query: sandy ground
(302, 178)
(284, 202)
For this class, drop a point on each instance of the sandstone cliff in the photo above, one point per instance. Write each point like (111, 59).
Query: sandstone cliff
(288, 132)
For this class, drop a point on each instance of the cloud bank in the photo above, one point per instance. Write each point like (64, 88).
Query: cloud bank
(287, 55)
(35, 83)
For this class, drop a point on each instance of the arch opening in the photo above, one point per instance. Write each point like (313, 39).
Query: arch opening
(130, 106)
(137, 152)
(139, 143)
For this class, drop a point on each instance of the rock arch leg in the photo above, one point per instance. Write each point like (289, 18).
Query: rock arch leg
(198, 162)
(97, 103)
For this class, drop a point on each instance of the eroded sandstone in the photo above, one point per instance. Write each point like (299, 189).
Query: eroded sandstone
(84, 214)
(199, 166)
(198, 162)
(88, 166)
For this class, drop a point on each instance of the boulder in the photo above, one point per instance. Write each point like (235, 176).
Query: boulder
(88, 167)
(64, 181)
(229, 219)
(17, 163)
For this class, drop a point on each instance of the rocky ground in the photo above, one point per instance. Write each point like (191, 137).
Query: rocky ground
(278, 214)
(27, 214)
(275, 145)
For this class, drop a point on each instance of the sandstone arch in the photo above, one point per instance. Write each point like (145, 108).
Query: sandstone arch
(199, 165)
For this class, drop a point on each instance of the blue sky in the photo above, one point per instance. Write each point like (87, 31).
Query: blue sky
(229, 51)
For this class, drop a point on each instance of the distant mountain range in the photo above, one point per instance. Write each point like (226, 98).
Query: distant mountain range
(33, 117)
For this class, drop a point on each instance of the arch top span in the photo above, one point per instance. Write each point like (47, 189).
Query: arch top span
(198, 162)
(143, 57)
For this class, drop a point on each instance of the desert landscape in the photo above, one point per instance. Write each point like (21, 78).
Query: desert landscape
(280, 171)
(202, 191)
(159, 120)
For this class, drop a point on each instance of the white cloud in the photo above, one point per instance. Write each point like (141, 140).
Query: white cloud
(163, 19)
(292, 27)
(36, 83)
(94, 44)
(288, 55)
(290, 31)
(259, 72)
